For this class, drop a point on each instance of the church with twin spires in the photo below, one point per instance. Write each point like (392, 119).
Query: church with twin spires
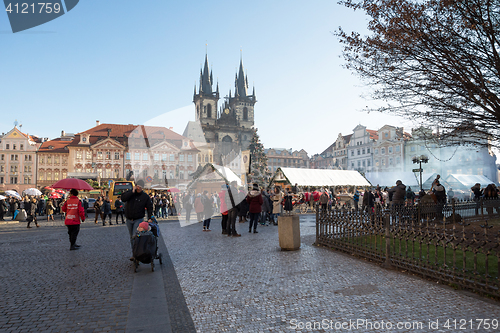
(226, 127)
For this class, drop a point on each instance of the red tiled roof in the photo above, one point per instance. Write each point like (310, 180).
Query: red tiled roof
(373, 134)
(122, 133)
(57, 144)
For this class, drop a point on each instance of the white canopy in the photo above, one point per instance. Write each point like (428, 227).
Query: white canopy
(459, 180)
(320, 177)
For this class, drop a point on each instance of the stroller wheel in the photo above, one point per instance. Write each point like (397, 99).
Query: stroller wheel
(152, 266)
(160, 256)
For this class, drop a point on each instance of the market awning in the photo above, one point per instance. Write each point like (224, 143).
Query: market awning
(215, 173)
(319, 177)
(467, 181)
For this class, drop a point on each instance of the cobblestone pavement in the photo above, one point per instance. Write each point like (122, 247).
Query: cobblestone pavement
(219, 284)
(248, 284)
(44, 287)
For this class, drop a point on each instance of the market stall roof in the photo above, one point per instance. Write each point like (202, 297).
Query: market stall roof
(459, 180)
(319, 177)
(210, 172)
(390, 178)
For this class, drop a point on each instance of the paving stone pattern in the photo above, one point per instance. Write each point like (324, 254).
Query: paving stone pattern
(248, 284)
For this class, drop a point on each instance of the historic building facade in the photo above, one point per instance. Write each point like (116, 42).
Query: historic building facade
(227, 127)
(18, 170)
(389, 149)
(360, 149)
(288, 158)
(52, 160)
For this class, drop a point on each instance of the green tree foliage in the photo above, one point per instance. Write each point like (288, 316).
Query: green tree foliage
(259, 172)
(433, 61)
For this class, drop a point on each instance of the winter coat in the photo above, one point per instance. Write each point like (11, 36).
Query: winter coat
(440, 193)
(74, 211)
(136, 205)
(208, 206)
(323, 199)
(289, 203)
(33, 209)
(255, 201)
(50, 208)
(276, 199)
(119, 206)
(243, 205)
(266, 205)
(106, 207)
(198, 205)
(232, 199)
(398, 193)
(222, 205)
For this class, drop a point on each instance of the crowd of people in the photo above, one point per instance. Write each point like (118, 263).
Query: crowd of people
(34, 207)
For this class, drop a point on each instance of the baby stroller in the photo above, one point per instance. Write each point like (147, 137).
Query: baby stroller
(145, 247)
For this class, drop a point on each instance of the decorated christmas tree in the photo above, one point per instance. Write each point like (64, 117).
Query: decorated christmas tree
(259, 173)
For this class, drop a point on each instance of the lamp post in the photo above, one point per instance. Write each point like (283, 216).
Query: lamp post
(420, 159)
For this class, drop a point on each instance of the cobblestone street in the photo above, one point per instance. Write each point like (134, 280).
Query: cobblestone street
(211, 283)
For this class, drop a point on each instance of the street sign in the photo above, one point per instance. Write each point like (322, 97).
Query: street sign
(417, 170)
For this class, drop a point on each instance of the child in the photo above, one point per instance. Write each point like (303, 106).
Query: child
(143, 228)
(144, 247)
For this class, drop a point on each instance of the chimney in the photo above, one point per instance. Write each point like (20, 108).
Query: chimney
(171, 128)
(97, 123)
(63, 133)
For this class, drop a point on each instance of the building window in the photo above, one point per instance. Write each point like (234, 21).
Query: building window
(14, 146)
(99, 155)
(2, 157)
(144, 173)
(209, 111)
(56, 175)
(181, 174)
(56, 159)
(172, 158)
(352, 152)
(390, 161)
(13, 180)
(137, 156)
(412, 148)
(382, 151)
(383, 161)
(398, 160)
(157, 158)
(156, 173)
(368, 163)
(367, 150)
(99, 172)
(364, 163)
(363, 151)
(359, 164)
(190, 158)
(181, 158)
(117, 156)
(127, 156)
(397, 149)
(88, 155)
(352, 165)
(21, 147)
(245, 113)
(7, 146)
(109, 173)
(163, 157)
(144, 156)
(108, 155)
(390, 150)
(49, 159)
(117, 173)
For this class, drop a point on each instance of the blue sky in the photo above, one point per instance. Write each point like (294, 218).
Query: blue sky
(124, 61)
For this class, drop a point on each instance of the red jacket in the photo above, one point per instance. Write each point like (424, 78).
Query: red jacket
(74, 211)
(255, 201)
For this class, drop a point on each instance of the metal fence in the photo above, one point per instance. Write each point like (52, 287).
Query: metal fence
(456, 243)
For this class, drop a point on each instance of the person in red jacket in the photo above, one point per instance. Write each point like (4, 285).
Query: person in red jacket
(75, 214)
(255, 201)
(223, 208)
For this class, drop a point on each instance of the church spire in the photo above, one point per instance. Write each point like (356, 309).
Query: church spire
(206, 78)
(241, 84)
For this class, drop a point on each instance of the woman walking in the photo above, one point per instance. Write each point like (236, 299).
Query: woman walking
(32, 213)
(74, 216)
(50, 210)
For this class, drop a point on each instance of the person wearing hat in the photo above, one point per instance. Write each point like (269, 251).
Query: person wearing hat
(137, 201)
(255, 201)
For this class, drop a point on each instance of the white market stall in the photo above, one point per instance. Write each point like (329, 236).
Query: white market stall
(319, 177)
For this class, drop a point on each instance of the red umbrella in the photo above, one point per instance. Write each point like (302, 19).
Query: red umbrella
(49, 188)
(70, 183)
(55, 195)
(174, 189)
(59, 191)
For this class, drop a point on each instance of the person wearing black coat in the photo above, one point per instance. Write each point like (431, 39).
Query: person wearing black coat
(119, 209)
(137, 202)
(106, 211)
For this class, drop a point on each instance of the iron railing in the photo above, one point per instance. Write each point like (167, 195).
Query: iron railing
(455, 243)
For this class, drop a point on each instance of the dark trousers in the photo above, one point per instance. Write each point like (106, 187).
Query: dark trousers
(223, 223)
(206, 223)
(104, 218)
(254, 218)
(119, 214)
(73, 233)
(32, 218)
(199, 216)
(1, 213)
(232, 214)
(188, 213)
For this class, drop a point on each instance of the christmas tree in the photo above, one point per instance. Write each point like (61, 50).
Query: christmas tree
(259, 173)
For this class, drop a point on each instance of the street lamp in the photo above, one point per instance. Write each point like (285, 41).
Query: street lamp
(420, 159)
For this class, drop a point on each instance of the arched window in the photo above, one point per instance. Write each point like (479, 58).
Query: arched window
(209, 111)
(245, 113)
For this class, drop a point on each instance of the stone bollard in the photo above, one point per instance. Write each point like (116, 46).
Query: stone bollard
(289, 232)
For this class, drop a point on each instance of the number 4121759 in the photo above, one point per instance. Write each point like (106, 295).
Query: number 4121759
(38, 8)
